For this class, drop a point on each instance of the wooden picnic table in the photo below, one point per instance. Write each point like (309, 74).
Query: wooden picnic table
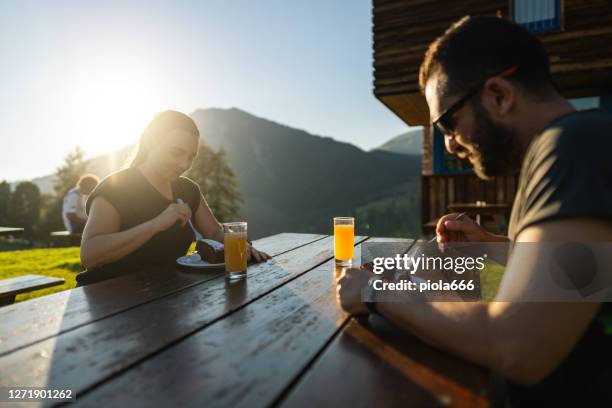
(176, 337)
(10, 231)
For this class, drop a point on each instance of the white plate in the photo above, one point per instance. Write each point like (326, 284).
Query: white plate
(195, 261)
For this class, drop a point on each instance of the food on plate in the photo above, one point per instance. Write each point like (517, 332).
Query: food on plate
(210, 251)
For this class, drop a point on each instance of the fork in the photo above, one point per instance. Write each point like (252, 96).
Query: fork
(457, 218)
(198, 236)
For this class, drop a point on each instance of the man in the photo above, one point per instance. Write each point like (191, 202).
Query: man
(73, 208)
(489, 90)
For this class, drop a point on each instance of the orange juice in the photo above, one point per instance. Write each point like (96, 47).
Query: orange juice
(344, 236)
(235, 251)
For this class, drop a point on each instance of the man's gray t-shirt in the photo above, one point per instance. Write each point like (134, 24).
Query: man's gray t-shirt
(567, 172)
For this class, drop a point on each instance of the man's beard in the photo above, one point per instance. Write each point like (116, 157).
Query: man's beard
(496, 149)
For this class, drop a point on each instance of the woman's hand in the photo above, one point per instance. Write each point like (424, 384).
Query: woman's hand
(259, 256)
(175, 212)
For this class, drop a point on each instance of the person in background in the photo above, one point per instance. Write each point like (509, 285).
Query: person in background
(73, 208)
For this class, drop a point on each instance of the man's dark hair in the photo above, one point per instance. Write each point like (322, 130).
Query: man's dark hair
(475, 48)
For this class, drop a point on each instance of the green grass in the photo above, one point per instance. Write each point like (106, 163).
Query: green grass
(57, 262)
(490, 278)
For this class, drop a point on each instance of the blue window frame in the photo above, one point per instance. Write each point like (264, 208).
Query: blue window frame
(444, 162)
(589, 102)
(538, 16)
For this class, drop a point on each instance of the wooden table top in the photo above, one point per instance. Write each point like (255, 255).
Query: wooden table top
(171, 336)
(10, 231)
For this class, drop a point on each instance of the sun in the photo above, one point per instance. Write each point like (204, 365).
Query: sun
(110, 103)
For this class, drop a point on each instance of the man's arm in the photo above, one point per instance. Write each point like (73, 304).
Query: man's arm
(523, 341)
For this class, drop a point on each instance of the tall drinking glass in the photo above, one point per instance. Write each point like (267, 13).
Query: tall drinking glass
(235, 242)
(344, 237)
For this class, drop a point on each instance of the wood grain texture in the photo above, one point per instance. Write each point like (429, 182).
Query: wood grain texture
(245, 360)
(27, 283)
(31, 321)
(579, 53)
(278, 337)
(371, 363)
(85, 356)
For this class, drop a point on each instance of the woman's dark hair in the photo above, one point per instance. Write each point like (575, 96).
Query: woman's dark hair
(475, 48)
(162, 124)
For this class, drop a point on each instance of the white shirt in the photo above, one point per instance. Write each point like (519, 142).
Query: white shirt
(73, 203)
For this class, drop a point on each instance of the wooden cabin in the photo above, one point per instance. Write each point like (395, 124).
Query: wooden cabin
(576, 33)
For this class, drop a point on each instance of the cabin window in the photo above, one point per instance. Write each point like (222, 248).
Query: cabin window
(590, 102)
(443, 161)
(538, 16)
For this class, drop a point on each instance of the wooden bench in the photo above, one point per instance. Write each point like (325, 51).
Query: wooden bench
(66, 238)
(5, 231)
(11, 287)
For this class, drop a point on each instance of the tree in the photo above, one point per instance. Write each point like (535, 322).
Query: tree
(66, 176)
(68, 173)
(5, 196)
(51, 215)
(225, 197)
(24, 207)
(200, 171)
(218, 182)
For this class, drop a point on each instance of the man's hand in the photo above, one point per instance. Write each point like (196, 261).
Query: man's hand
(452, 228)
(350, 286)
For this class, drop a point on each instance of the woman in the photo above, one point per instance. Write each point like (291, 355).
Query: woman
(135, 216)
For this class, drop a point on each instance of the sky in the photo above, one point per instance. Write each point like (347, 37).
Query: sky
(93, 73)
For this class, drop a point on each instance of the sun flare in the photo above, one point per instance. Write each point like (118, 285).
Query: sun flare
(110, 103)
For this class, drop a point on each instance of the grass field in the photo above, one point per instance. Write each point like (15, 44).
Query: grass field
(490, 278)
(58, 262)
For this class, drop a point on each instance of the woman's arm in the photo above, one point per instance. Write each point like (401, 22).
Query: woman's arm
(206, 223)
(102, 242)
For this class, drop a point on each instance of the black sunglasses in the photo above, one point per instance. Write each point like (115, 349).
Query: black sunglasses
(445, 122)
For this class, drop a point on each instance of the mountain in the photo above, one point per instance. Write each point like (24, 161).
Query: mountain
(410, 142)
(101, 166)
(293, 181)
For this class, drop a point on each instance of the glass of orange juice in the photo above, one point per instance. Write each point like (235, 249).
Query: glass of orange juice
(344, 237)
(236, 247)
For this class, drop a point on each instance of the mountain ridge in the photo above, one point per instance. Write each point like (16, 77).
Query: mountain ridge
(290, 180)
(410, 142)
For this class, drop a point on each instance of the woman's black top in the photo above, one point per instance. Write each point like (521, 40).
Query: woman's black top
(137, 201)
